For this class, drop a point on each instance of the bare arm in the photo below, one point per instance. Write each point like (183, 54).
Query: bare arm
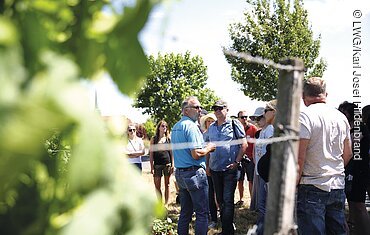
(303, 144)
(137, 153)
(242, 150)
(347, 151)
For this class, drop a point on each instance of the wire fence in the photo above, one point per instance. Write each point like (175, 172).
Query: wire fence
(262, 61)
(179, 146)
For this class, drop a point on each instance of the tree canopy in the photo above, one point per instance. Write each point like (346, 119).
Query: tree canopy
(273, 30)
(171, 79)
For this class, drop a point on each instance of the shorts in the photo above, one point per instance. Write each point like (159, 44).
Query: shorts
(160, 170)
(247, 167)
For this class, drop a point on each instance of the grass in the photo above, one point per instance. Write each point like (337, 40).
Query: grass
(243, 218)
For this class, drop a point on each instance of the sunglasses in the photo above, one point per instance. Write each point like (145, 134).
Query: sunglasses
(256, 119)
(131, 130)
(195, 107)
(164, 126)
(266, 110)
(243, 117)
(217, 108)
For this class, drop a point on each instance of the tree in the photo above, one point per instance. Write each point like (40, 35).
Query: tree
(150, 127)
(171, 79)
(273, 31)
(61, 170)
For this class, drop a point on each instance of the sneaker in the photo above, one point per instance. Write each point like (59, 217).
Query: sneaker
(212, 225)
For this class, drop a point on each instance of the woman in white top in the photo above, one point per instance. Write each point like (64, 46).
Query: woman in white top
(135, 147)
(260, 150)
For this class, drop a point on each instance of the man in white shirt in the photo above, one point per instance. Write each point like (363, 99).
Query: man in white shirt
(324, 150)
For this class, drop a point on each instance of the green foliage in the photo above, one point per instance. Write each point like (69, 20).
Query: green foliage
(273, 33)
(172, 78)
(318, 69)
(73, 180)
(164, 227)
(150, 127)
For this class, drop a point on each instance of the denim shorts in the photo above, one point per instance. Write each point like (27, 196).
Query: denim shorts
(160, 170)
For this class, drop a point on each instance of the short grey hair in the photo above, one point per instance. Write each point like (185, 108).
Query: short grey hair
(314, 87)
(185, 103)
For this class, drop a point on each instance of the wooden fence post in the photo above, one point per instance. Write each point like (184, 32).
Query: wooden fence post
(279, 218)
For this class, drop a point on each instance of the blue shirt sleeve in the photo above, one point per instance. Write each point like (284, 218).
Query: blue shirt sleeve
(239, 129)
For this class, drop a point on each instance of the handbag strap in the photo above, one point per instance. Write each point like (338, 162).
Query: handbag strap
(132, 145)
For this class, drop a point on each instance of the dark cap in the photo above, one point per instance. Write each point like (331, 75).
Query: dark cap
(220, 103)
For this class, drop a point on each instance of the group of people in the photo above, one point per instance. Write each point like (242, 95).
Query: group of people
(218, 156)
(216, 171)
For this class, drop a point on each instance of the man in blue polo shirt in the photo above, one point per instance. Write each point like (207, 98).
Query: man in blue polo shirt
(190, 168)
(223, 162)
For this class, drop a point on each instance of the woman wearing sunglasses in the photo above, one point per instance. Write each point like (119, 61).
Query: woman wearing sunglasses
(135, 147)
(161, 162)
(260, 150)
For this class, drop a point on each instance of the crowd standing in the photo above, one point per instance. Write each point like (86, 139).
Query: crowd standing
(207, 176)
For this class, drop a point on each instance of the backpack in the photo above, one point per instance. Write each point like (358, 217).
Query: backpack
(263, 166)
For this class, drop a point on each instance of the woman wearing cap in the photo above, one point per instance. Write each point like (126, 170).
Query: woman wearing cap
(260, 150)
(135, 147)
(260, 121)
(161, 162)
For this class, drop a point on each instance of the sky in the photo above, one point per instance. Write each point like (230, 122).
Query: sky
(201, 27)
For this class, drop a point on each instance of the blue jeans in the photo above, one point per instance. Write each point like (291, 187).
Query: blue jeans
(212, 201)
(193, 191)
(320, 212)
(225, 184)
(261, 204)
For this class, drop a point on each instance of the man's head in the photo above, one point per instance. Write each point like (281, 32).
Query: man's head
(314, 91)
(220, 109)
(191, 108)
(243, 117)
